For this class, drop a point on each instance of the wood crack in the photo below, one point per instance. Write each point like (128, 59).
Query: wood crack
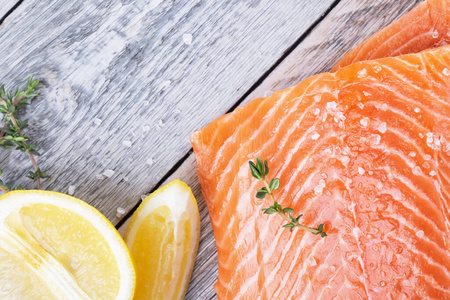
(241, 99)
(10, 11)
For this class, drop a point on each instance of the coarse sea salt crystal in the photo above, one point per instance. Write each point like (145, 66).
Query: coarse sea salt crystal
(433, 173)
(150, 161)
(317, 98)
(382, 128)
(331, 105)
(417, 110)
(316, 111)
(105, 161)
(370, 172)
(361, 171)
(366, 93)
(319, 188)
(384, 107)
(268, 93)
(71, 190)
(364, 122)
(412, 154)
(187, 38)
(120, 212)
(315, 136)
(420, 233)
(375, 139)
(345, 160)
(166, 83)
(127, 143)
(416, 170)
(427, 157)
(99, 176)
(446, 72)
(146, 128)
(435, 34)
(362, 73)
(360, 105)
(109, 173)
(432, 141)
(97, 121)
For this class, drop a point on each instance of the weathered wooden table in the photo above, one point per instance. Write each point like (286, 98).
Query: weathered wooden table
(125, 83)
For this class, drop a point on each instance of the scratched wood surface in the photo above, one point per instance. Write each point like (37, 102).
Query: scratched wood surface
(126, 82)
(344, 27)
(71, 84)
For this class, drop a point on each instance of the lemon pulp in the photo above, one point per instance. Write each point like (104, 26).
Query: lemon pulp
(53, 246)
(163, 238)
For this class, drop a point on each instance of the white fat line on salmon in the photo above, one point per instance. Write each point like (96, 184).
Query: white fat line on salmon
(274, 243)
(401, 115)
(443, 199)
(288, 132)
(394, 215)
(322, 265)
(356, 230)
(266, 121)
(414, 85)
(426, 258)
(301, 246)
(409, 100)
(405, 137)
(290, 155)
(407, 182)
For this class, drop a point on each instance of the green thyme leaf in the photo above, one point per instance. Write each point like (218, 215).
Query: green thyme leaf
(274, 184)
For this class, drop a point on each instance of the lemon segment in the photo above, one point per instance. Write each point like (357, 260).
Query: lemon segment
(53, 246)
(163, 237)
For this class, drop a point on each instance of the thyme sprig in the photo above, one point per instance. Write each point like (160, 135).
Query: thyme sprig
(11, 134)
(260, 171)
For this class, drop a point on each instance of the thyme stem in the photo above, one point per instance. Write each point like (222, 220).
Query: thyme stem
(11, 134)
(260, 170)
(33, 161)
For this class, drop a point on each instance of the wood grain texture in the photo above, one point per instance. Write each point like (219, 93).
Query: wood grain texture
(124, 85)
(5, 6)
(349, 23)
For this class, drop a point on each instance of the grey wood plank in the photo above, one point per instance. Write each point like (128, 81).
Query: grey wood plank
(345, 26)
(5, 6)
(126, 82)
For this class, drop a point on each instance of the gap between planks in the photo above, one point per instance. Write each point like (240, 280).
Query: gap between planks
(121, 54)
(123, 223)
(7, 9)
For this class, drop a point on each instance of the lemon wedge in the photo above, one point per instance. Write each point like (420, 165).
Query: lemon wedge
(163, 237)
(53, 246)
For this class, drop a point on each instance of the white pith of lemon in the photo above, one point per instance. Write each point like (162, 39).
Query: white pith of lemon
(54, 246)
(163, 237)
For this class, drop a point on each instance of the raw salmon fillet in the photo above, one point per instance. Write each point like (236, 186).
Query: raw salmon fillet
(426, 26)
(364, 150)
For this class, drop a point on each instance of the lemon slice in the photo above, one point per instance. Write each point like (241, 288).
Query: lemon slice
(163, 238)
(53, 246)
